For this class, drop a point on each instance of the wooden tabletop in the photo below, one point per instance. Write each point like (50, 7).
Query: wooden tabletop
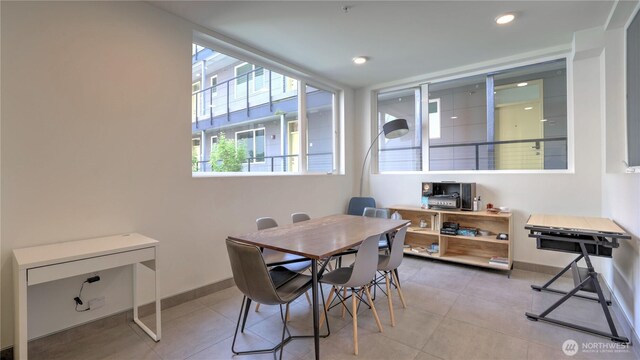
(582, 223)
(321, 237)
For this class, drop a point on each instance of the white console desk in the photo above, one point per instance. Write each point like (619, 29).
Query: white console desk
(39, 264)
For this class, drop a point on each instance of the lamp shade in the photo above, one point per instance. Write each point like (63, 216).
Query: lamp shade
(395, 128)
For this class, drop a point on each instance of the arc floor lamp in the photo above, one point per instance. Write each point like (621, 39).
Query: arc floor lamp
(393, 129)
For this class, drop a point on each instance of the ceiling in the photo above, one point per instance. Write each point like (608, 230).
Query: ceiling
(402, 39)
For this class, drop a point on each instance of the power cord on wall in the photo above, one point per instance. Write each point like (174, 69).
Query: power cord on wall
(78, 299)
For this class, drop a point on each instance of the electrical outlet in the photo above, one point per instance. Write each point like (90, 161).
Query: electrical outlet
(96, 303)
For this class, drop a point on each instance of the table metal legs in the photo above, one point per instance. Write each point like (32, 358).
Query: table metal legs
(314, 295)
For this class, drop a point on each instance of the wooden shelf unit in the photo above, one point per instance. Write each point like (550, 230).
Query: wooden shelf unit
(472, 250)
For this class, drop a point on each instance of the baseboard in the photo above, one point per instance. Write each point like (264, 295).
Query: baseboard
(189, 295)
(544, 269)
(629, 330)
(119, 318)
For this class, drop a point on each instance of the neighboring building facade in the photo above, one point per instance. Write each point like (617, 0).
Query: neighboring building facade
(258, 108)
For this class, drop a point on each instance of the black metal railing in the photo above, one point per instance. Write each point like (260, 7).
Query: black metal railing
(259, 162)
(537, 145)
(214, 92)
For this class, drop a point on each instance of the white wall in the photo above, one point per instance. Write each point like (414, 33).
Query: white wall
(620, 191)
(96, 141)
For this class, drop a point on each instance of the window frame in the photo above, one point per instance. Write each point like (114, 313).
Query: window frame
(237, 77)
(437, 102)
(251, 79)
(264, 143)
(464, 73)
(211, 143)
(300, 78)
(194, 99)
(214, 88)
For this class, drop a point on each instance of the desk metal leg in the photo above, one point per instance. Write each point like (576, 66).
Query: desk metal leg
(593, 279)
(314, 295)
(546, 287)
(155, 336)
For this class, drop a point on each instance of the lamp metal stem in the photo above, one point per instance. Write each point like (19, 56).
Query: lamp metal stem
(364, 162)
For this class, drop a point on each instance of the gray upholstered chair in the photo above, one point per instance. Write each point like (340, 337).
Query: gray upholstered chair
(271, 257)
(278, 286)
(298, 217)
(388, 264)
(357, 204)
(357, 278)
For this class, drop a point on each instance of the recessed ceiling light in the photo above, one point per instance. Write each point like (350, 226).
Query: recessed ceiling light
(454, 117)
(505, 19)
(528, 108)
(543, 120)
(522, 84)
(359, 60)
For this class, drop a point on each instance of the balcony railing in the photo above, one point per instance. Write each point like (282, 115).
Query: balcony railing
(240, 93)
(488, 155)
(318, 162)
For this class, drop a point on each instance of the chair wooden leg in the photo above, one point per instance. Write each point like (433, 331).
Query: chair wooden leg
(257, 307)
(326, 306)
(344, 297)
(375, 313)
(395, 279)
(354, 309)
(386, 279)
(308, 298)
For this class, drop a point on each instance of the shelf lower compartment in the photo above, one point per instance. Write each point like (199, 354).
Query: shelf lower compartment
(421, 253)
(490, 239)
(473, 260)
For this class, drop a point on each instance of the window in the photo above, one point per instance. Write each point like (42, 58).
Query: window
(293, 146)
(242, 73)
(258, 82)
(195, 99)
(434, 118)
(320, 130)
(261, 131)
(290, 84)
(253, 142)
(214, 142)
(514, 119)
(195, 154)
(463, 120)
(213, 82)
(404, 153)
(249, 75)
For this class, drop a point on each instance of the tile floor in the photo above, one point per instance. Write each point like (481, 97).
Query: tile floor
(454, 312)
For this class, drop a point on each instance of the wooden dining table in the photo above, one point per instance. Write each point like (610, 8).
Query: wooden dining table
(319, 239)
